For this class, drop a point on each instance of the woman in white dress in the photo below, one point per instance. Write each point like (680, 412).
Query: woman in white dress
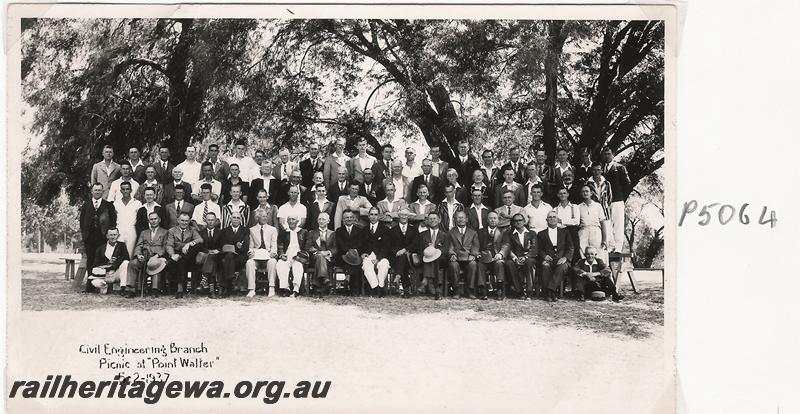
(126, 216)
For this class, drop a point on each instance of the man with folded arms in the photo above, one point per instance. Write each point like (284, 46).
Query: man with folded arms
(263, 252)
(520, 250)
(436, 242)
(183, 242)
(321, 248)
(235, 245)
(464, 249)
(507, 210)
(152, 243)
(290, 241)
(591, 274)
(402, 239)
(491, 240)
(111, 262)
(421, 208)
(390, 207)
(555, 253)
(350, 237)
(376, 254)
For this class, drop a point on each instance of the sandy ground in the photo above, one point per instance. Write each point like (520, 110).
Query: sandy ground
(446, 362)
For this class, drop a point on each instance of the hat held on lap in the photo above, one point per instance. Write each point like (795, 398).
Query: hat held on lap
(430, 254)
(352, 257)
(155, 265)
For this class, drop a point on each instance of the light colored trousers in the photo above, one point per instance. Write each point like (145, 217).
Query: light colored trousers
(592, 236)
(250, 271)
(369, 265)
(284, 267)
(128, 236)
(617, 225)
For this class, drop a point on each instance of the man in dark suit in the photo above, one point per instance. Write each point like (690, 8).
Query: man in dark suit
(491, 175)
(464, 163)
(96, 217)
(221, 167)
(382, 169)
(464, 250)
(477, 213)
(183, 243)
(272, 187)
(350, 237)
(212, 247)
(434, 183)
(178, 206)
(314, 163)
(573, 188)
(319, 206)
(110, 256)
(437, 238)
(321, 248)
(371, 189)
(168, 190)
(339, 187)
(520, 251)
(229, 182)
(555, 253)
(238, 236)
(294, 180)
(163, 165)
(147, 207)
(402, 244)
(515, 164)
(376, 254)
(591, 274)
(137, 166)
(491, 239)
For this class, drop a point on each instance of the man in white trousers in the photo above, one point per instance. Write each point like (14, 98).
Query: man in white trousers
(376, 254)
(290, 242)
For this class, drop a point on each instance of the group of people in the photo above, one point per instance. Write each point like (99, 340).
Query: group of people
(521, 228)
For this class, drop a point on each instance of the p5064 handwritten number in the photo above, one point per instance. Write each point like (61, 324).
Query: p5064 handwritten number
(725, 214)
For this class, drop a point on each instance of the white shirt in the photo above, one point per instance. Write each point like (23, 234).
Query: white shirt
(373, 227)
(126, 218)
(294, 244)
(592, 214)
(570, 215)
(348, 228)
(109, 251)
(399, 186)
(412, 171)
(365, 161)
(403, 227)
(553, 234)
(191, 171)
(216, 187)
(521, 236)
(96, 202)
(248, 169)
(197, 214)
(437, 168)
(113, 190)
(150, 207)
(478, 209)
(537, 216)
(451, 210)
(138, 163)
(286, 210)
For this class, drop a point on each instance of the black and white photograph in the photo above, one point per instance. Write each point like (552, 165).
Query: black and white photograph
(390, 211)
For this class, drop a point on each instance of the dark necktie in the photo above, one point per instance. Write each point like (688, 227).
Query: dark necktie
(263, 245)
(183, 232)
(509, 210)
(179, 207)
(210, 233)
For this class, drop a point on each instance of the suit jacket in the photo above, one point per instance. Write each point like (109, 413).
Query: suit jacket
(221, 170)
(442, 243)
(172, 213)
(330, 169)
(495, 177)
(444, 224)
(582, 173)
(141, 217)
(465, 170)
(97, 222)
(519, 194)
(315, 245)
(334, 192)
(488, 195)
(226, 190)
(379, 170)
(376, 192)
(472, 217)
(155, 245)
(119, 255)
(491, 243)
(214, 242)
(168, 191)
(158, 197)
(307, 170)
(505, 218)
(442, 171)
(241, 235)
(398, 240)
(469, 244)
(383, 208)
(100, 175)
(617, 176)
(512, 247)
(597, 266)
(276, 170)
(257, 185)
(270, 238)
(564, 246)
(314, 211)
(519, 172)
(435, 190)
(283, 240)
(138, 172)
(354, 170)
(355, 240)
(163, 176)
(378, 242)
(175, 242)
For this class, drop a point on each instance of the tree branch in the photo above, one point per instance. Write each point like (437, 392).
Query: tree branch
(366, 104)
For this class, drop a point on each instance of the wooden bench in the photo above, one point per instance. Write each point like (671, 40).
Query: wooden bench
(69, 270)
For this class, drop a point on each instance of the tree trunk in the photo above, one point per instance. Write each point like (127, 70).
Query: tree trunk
(177, 68)
(552, 63)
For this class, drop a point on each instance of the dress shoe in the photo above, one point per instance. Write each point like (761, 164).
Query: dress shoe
(212, 291)
(293, 295)
(580, 297)
(616, 297)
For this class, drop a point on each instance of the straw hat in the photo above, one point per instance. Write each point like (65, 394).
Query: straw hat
(260, 254)
(430, 254)
(155, 265)
(598, 295)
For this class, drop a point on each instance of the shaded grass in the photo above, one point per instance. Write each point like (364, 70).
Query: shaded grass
(638, 316)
